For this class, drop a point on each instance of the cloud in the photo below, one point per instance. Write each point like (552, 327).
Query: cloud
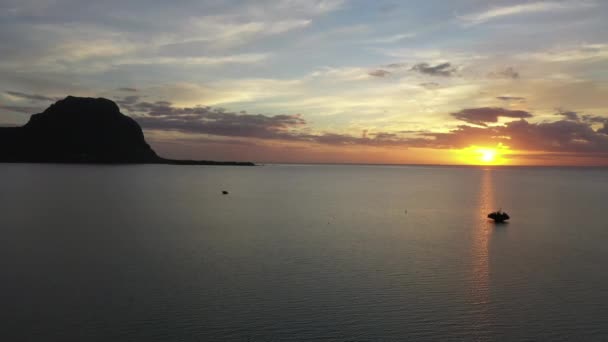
(430, 85)
(22, 109)
(161, 115)
(586, 118)
(443, 69)
(345, 74)
(396, 65)
(248, 58)
(287, 25)
(379, 73)
(564, 136)
(484, 115)
(569, 115)
(127, 89)
(393, 39)
(511, 98)
(313, 7)
(82, 49)
(573, 53)
(525, 8)
(222, 33)
(127, 102)
(593, 119)
(558, 136)
(385, 135)
(33, 97)
(508, 72)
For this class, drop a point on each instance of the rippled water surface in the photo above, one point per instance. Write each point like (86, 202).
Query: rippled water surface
(301, 252)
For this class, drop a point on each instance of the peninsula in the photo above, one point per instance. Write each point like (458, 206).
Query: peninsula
(83, 130)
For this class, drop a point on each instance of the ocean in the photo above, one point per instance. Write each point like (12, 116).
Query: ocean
(302, 253)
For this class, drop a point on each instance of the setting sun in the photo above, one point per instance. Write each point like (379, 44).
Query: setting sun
(487, 155)
(476, 155)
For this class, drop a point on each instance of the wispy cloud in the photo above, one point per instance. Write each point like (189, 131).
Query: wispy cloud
(379, 73)
(310, 6)
(508, 72)
(250, 58)
(443, 69)
(32, 97)
(224, 33)
(568, 54)
(393, 39)
(524, 8)
(511, 98)
(21, 109)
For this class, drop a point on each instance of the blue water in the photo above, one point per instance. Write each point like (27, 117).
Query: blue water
(302, 252)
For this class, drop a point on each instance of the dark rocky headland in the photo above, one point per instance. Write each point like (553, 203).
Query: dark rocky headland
(83, 130)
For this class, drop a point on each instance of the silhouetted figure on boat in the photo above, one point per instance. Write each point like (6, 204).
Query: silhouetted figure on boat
(499, 216)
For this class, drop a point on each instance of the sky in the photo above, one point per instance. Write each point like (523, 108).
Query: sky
(325, 81)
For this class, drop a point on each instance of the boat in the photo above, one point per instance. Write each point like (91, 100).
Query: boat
(499, 216)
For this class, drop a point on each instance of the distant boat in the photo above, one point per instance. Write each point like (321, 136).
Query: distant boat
(224, 192)
(499, 216)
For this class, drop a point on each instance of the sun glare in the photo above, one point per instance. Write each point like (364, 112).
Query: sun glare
(476, 155)
(487, 155)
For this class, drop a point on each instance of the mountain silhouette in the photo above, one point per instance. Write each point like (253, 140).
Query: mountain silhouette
(83, 130)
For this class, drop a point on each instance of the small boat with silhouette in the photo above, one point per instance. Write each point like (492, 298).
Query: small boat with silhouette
(499, 216)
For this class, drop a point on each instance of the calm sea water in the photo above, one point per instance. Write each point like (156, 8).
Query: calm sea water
(301, 252)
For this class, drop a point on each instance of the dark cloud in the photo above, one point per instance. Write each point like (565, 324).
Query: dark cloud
(379, 73)
(377, 139)
(593, 119)
(161, 115)
(161, 108)
(127, 89)
(587, 118)
(566, 136)
(484, 115)
(511, 98)
(569, 115)
(33, 97)
(385, 136)
(558, 136)
(181, 141)
(22, 109)
(561, 136)
(443, 69)
(129, 99)
(508, 72)
(126, 103)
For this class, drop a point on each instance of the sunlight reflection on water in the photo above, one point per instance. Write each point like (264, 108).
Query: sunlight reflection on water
(480, 291)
